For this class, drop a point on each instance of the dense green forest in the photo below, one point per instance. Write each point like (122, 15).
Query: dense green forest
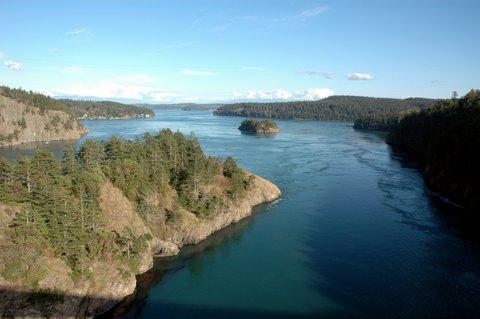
(58, 200)
(181, 106)
(43, 102)
(334, 108)
(445, 140)
(382, 120)
(262, 126)
(106, 109)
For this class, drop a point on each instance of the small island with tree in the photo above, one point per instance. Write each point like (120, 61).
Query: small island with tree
(259, 127)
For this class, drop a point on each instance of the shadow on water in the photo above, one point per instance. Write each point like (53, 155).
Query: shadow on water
(57, 148)
(262, 135)
(132, 306)
(448, 214)
(36, 305)
(190, 258)
(425, 264)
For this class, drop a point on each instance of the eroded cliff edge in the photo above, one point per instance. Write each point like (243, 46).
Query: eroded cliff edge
(109, 284)
(24, 123)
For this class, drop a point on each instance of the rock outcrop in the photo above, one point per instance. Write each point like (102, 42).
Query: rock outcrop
(259, 127)
(21, 123)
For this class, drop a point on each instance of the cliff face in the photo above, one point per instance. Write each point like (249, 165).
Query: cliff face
(109, 282)
(21, 123)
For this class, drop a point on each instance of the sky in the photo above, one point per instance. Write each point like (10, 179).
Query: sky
(221, 51)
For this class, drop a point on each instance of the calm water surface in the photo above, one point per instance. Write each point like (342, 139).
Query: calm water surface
(356, 233)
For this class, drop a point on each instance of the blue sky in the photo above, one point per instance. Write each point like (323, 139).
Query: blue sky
(203, 51)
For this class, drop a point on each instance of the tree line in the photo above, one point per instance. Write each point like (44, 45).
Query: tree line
(334, 108)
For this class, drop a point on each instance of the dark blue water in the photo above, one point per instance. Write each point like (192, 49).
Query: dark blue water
(356, 233)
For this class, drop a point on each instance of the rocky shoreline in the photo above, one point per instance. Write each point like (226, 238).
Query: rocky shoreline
(21, 123)
(107, 287)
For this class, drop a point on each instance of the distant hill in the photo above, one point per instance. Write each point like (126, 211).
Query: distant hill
(334, 108)
(32, 117)
(106, 110)
(182, 106)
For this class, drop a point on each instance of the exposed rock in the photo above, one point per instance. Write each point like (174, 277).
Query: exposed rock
(21, 123)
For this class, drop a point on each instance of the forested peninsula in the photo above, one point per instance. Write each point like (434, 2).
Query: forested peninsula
(27, 116)
(334, 108)
(104, 110)
(32, 117)
(74, 232)
(445, 140)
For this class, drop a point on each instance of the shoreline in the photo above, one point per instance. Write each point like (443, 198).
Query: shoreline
(146, 280)
(60, 297)
(264, 192)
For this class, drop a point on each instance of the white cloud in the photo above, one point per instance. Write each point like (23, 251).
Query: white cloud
(141, 87)
(53, 50)
(324, 74)
(308, 14)
(195, 72)
(13, 65)
(253, 68)
(360, 77)
(77, 31)
(282, 95)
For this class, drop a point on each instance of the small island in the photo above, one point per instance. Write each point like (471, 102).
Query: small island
(259, 127)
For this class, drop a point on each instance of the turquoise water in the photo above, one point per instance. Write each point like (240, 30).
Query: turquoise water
(356, 233)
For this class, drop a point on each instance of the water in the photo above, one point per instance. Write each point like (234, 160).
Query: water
(356, 233)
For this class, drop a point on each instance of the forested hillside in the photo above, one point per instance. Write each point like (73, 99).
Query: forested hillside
(31, 117)
(106, 110)
(338, 108)
(445, 140)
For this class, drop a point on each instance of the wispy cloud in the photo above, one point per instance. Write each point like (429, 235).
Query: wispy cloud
(177, 45)
(77, 31)
(324, 74)
(13, 65)
(283, 95)
(307, 14)
(53, 50)
(253, 68)
(222, 23)
(196, 72)
(360, 77)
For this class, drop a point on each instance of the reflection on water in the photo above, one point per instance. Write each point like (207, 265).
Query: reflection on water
(355, 234)
(56, 147)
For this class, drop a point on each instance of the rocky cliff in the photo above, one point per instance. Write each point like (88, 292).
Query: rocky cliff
(60, 295)
(23, 123)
